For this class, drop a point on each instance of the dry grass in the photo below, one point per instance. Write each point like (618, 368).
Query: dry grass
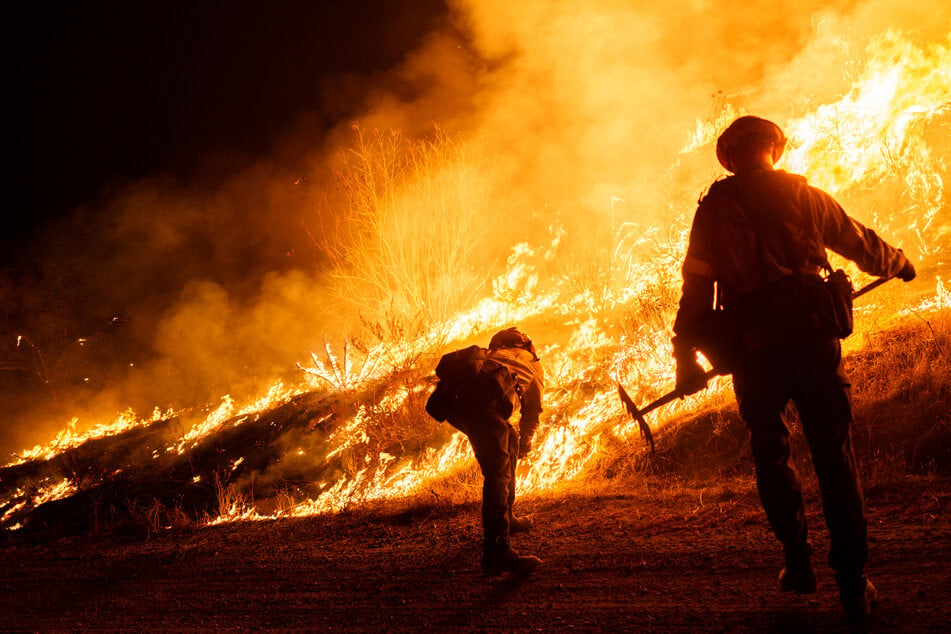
(902, 396)
(152, 518)
(902, 408)
(407, 231)
(393, 420)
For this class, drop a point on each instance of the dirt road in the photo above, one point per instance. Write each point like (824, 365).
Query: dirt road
(651, 559)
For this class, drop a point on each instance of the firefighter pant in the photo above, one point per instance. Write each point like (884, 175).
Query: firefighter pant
(807, 371)
(495, 443)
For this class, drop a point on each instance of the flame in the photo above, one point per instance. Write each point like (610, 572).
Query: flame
(876, 130)
(862, 136)
(69, 438)
(47, 492)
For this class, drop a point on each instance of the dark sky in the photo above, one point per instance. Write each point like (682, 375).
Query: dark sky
(101, 92)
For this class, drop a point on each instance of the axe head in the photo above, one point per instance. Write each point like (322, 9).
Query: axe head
(636, 415)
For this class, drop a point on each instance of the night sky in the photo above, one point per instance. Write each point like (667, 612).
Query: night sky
(102, 92)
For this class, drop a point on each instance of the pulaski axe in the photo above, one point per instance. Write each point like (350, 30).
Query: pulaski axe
(638, 413)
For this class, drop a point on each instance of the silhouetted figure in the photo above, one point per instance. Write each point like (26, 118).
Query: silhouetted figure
(752, 284)
(497, 446)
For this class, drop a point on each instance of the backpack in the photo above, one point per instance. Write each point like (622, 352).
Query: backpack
(468, 378)
(795, 304)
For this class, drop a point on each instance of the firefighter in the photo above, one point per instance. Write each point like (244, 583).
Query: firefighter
(755, 253)
(497, 446)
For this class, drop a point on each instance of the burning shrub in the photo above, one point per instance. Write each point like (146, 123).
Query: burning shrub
(407, 231)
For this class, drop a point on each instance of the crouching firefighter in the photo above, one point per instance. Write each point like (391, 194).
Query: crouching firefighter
(758, 242)
(478, 392)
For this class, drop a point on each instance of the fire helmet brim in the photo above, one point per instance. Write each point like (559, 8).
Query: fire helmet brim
(743, 128)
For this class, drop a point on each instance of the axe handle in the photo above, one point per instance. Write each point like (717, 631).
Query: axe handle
(672, 395)
(870, 286)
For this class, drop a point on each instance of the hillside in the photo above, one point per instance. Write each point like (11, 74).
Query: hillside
(673, 542)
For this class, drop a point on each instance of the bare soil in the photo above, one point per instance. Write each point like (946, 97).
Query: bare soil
(659, 557)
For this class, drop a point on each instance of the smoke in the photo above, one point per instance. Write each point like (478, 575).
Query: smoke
(184, 292)
(597, 101)
(165, 296)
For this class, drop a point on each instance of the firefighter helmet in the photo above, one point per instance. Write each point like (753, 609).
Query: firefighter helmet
(512, 338)
(741, 129)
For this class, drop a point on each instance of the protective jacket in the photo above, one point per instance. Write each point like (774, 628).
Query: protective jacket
(761, 226)
(527, 370)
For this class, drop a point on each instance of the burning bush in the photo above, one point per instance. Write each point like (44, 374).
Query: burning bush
(408, 231)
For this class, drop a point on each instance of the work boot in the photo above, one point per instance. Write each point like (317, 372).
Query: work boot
(499, 557)
(858, 596)
(520, 525)
(798, 575)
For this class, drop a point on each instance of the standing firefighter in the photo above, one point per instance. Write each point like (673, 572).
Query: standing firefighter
(752, 296)
(478, 391)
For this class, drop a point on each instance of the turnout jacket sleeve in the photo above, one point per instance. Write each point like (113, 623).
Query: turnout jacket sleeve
(696, 300)
(531, 382)
(696, 306)
(851, 239)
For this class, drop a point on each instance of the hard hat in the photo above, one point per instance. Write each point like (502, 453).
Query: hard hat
(742, 128)
(512, 338)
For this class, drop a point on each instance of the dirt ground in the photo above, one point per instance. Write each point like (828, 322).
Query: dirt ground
(658, 558)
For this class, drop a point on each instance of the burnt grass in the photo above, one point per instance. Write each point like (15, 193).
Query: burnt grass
(130, 481)
(672, 542)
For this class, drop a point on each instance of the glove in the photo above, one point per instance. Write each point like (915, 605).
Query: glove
(691, 377)
(907, 272)
(526, 431)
